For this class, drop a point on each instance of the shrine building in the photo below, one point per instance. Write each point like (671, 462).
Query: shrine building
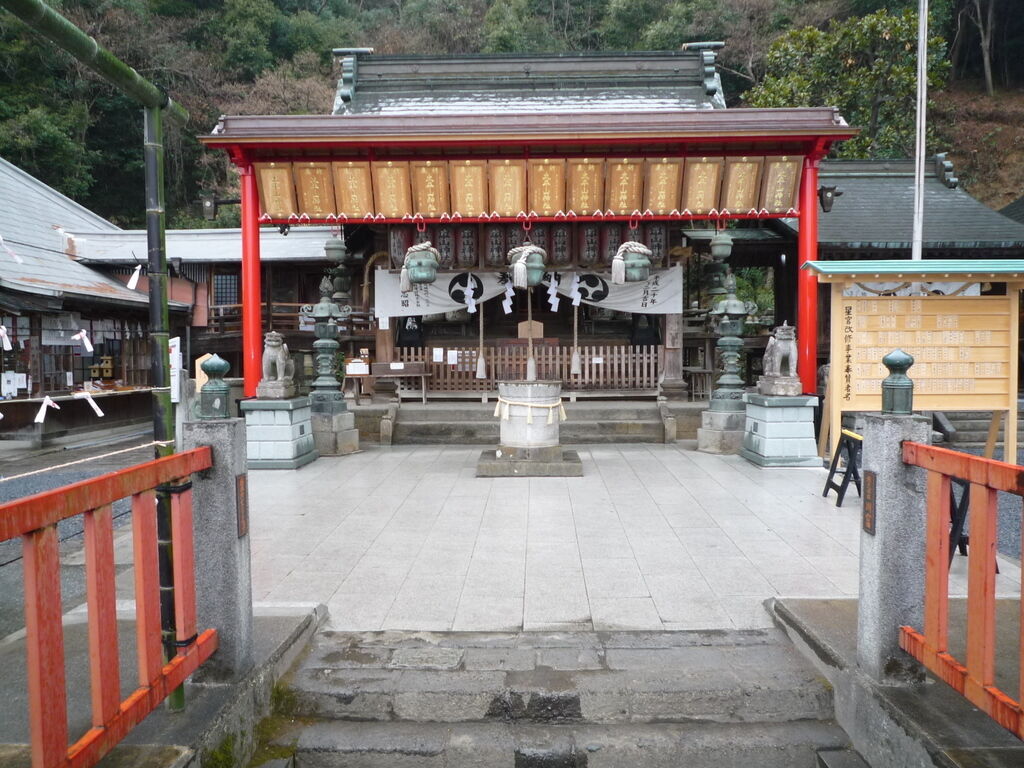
(574, 153)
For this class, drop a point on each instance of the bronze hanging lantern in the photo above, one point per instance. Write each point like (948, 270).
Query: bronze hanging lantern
(528, 265)
(632, 263)
(421, 264)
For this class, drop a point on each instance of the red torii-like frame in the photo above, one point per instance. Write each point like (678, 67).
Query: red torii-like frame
(807, 133)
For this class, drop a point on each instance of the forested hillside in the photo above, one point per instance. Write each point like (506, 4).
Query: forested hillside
(273, 56)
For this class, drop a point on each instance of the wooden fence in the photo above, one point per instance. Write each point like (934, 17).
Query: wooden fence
(974, 676)
(604, 368)
(34, 519)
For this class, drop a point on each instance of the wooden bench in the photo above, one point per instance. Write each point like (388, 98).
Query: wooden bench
(402, 371)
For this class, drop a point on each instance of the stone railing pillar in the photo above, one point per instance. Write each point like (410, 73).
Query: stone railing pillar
(220, 508)
(891, 543)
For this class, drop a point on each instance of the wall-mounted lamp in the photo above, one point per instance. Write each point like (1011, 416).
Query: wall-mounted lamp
(827, 196)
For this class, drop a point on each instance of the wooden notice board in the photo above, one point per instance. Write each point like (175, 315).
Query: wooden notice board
(964, 350)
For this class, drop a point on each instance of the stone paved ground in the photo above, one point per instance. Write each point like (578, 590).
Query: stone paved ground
(652, 537)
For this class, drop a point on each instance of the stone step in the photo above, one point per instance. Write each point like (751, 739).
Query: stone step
(505, 745)
(454, 432)
(577, 432)
(743, 676)
(976, 436)
(464, 412)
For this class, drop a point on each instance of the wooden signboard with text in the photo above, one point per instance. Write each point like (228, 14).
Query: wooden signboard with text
(964, 350)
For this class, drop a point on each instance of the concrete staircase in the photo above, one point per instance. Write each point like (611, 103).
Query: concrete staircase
(474, 423)
(555, 700)
(972, 429)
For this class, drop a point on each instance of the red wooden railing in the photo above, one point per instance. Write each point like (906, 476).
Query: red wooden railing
(35, 519)
(976, 679)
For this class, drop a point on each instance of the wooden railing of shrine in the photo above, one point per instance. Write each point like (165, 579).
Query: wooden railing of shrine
(603, 368)
(280, 316)
(34, 519)
(975, 679)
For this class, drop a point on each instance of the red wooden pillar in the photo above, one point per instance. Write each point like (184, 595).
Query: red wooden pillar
(252, 323)
(806, 281)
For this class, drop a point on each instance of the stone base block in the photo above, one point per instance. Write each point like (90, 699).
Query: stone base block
(275, 390)
(674, 389)
(339, 443)
(721, 432)
(534, 453)
(492, 464)
(779, 386)
(779, 431)
(279, 433)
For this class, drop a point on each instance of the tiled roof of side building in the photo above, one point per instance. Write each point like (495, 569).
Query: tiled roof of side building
(876, 209)
(34, 220)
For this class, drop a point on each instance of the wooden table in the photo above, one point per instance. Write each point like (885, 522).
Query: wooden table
(402, 371)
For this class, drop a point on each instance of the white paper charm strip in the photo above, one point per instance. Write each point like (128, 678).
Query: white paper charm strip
(10, 253)
(84, 337)
(47, 403)
(5, 339)
(553, 292)
(574, 290)
(88, 398)
(506, 303)
(470, 301)
(134, 279)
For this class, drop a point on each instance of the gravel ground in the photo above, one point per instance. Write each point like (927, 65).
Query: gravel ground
(69, 531)
(1009, 512)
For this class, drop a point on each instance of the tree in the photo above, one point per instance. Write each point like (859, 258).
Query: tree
(982, 14)
(867, 67)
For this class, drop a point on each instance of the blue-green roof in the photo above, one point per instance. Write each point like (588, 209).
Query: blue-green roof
(912, 268)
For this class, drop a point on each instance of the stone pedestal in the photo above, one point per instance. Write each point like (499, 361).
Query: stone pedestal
(279, 433)
(273, 389)
(721, 431)
(334, 432)
(780, 431)
(779, 386)
(530, 414)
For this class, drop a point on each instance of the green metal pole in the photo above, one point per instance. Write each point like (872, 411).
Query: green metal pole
(163, 410)
(66, 35)
(42, 18)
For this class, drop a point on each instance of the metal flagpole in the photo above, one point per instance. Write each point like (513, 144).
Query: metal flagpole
(922, 118)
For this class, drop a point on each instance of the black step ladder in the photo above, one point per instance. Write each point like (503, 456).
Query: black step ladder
(848, 451)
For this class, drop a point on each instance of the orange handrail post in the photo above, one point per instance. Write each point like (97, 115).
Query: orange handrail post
(975, 679)
(34, 519)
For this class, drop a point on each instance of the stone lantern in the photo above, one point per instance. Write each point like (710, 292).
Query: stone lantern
(731, 313)
(338, 258)
(333, 424)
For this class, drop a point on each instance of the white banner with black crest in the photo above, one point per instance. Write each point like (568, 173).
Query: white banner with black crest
(660, 294)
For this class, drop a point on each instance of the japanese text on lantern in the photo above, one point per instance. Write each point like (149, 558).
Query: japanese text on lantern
(547, 186)
(585, 177)
(353, 188)
(701, 185)
(663, 178)
(961, 349)
(624, 183)
(779, 185)
(469, 196)
(741, 185)
(430, 188)
(508, 186)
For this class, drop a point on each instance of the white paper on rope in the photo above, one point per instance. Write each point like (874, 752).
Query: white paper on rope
(83, 336)
(92, 403)
(5, 340)
(553, 285)
(47, 403)
(574, 289)
(69, 377)
(133, 281)
(8, 384)
(174, 352)
(661, 293)
(21, 381)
